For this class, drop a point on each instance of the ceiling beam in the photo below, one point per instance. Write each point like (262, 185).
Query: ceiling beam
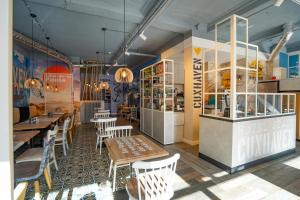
(293, 47)
(267, 34)
(86, 8)
(156, 10)
(243, 8)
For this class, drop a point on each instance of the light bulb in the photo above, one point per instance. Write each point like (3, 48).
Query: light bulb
(32, 82)
(124, 74)
(56, 89)
(47, 87)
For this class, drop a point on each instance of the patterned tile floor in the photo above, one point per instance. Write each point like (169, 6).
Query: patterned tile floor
(83, 175)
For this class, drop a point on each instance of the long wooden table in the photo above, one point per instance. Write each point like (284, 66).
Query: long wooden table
(44, 122)
(124, 150)
(21, 137)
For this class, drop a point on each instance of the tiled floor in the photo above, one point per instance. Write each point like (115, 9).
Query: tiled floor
(83, 175)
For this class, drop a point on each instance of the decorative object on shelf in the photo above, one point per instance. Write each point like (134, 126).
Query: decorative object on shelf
(124, 74)
(104, 84)
(31, 82)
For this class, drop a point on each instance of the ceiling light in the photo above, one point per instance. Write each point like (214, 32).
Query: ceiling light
(296, 1)
(289, 35)
(278, 3)
(127, 53)
(143, 36)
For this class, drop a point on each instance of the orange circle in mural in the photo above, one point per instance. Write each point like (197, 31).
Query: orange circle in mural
(57, 76)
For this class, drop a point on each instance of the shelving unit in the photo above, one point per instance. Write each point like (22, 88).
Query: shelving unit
(157, 101)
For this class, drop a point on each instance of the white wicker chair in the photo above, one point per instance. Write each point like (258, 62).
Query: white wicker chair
(117, 131)
(102, 124)
(153, 179)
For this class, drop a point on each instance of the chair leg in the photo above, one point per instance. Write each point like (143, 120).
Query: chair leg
(70, 135)
(110, 167)
(97, 141)
(100, 145)
(64, 149)
(114, 180)
(67, 145)
(37, 195)
(20, 191)
(54, 160)
(48, 179)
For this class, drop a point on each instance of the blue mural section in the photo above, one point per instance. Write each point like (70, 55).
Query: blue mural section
(21, 71)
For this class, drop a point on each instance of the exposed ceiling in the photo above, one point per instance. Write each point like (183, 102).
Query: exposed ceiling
(75, 25)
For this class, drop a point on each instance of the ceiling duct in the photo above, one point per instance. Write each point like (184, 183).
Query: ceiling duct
(287, 34)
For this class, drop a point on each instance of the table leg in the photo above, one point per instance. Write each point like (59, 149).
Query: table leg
(114, 179)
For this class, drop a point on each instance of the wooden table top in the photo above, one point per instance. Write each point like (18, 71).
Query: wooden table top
(125, 150)
(44, 122)
(24, 136)
(21, 137)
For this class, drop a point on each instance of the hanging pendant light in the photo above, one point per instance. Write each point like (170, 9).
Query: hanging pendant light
(97, 89)
(104, 84)
(31, 82)
(56, 76)
(48, 87)
(124, 74)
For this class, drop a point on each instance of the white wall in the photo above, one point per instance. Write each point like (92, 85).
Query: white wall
(238, 143)
(6, 135)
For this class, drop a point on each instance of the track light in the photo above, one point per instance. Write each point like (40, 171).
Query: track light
(143, 36)
(127, 53)
(278, 3)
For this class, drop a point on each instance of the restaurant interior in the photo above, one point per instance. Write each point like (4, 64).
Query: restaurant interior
(152, 100)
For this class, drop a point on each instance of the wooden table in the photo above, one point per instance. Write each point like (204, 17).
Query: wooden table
(21, 137)
(44, 122)
(124, 150)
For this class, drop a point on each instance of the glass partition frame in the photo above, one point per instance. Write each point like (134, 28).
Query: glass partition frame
(249, 95)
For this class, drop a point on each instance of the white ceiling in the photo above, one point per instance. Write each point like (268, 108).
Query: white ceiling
(75, 25)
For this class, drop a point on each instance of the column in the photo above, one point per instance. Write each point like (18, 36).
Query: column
(6, 136)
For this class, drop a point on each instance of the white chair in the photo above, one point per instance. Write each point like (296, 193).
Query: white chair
(117, 131)
(101, 115)
(35, 154)
(61, 138)
(153, 179)
(102, 124)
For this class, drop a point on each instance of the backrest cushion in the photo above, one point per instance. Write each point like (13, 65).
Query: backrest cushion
(16, 115)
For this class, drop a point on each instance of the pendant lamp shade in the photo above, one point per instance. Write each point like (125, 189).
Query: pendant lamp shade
(124, 75)
(104, 85)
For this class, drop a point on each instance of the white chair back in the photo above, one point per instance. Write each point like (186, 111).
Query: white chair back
(52, 133)
(119, 131)
(102, 124)
(66, 127)
(133, 112)
(101, 115)
(155, 178)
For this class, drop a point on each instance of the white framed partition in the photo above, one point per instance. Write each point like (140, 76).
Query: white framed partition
(231, 75)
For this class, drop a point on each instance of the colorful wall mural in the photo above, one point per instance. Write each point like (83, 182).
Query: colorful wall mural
(56, 73)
